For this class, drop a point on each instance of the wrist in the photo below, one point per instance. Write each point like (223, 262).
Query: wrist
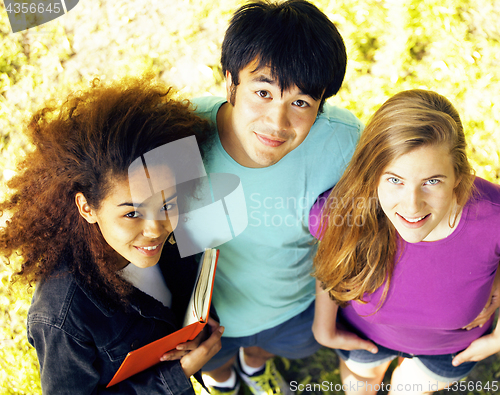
(323, 334)
(496, 329)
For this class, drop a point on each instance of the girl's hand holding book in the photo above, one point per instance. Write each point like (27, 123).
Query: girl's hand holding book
(194, 360)
(196, 353)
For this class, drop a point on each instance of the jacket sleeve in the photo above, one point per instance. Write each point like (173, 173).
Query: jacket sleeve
(164, 378)
(68, 366)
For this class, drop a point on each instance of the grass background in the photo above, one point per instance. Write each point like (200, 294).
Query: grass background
(450, 46)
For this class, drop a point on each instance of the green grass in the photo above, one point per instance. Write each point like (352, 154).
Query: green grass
(321, 371)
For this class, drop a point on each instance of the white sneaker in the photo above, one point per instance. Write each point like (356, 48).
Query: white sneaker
(267, 381)
(214, 390)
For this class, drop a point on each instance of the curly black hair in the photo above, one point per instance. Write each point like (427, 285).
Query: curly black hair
(95, 133)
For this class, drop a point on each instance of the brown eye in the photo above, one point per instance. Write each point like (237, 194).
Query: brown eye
(301, 103)
(132, 214)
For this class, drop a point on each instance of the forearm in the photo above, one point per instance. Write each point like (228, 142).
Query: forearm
(325, 326)
(325, 315)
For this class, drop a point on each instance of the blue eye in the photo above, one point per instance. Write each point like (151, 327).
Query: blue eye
(434, 181)
(394, 180)
(169, 206)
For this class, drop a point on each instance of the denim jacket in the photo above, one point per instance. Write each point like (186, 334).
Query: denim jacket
(81, 340)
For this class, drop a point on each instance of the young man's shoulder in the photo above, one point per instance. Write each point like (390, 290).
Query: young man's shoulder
(337, 127)
(207, 106)
(340, 115)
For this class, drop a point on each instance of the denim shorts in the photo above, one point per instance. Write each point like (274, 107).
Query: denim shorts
(292, 339)
(438, 367)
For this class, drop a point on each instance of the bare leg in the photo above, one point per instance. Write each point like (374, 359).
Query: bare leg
(409, 379)
(256, 356)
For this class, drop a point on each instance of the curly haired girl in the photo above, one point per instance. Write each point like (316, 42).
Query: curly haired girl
(98, 245)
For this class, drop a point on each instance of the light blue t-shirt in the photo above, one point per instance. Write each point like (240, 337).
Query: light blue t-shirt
(264, 274)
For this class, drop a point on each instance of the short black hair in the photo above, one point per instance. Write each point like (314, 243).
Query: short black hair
(295, 39)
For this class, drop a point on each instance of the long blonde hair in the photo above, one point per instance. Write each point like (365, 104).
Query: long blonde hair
(359, 243)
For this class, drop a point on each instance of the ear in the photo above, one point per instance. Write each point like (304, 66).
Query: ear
(229, 84)
(84, 209)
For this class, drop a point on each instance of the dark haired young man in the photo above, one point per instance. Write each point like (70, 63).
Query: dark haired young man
(281, 62)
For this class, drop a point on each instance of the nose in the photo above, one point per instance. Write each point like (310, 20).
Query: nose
(413, 201)
(154, 228)
(278, 117)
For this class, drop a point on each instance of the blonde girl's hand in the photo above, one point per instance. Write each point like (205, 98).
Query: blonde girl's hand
(479, 349)
(346, 340)
(491, 306)
(328, 333)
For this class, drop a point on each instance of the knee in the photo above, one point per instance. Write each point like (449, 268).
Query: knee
(362, 380)
(363, 373)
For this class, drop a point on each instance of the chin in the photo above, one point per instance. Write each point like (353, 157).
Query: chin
(267, 161)
(412, 238)
(144, 264)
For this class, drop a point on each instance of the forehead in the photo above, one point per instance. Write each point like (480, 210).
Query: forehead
(137, 188)
(256, 72)
(147, 181)
(424, 159)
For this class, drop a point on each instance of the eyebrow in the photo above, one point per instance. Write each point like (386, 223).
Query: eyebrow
(424, 179)
(165, 200)
(265, 79)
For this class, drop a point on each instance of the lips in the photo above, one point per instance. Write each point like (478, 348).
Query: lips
(269, 142)
(150, 250)
(415, 222)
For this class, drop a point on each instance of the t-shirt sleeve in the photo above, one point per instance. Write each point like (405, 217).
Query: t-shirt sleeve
(315, 214)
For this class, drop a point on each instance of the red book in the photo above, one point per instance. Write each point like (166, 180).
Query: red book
(194, 321)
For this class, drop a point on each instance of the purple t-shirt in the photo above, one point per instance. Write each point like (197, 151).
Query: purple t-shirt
(437, 287)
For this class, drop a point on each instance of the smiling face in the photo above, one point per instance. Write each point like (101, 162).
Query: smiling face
(416, 192)
(137, 230)
(263, 124)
